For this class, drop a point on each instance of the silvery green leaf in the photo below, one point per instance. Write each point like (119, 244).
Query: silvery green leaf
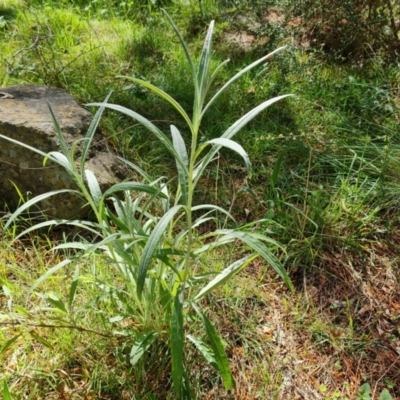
(232, 130)
(224, 276)
(255, 241)
(143, 121)
(60, 159)
(204, 349)
(86, 225)
(94, 186)
(180, 148)
(185, 48)
(91, 132)
(37, 151)
(59, 133)
(163, 95)
(136, 168)
(35, 200)
(151, 245)
(238, 75)
(51, 271)
(203, 74)
(213, 207)
(230, 144)
(141, 345)
(134, 186)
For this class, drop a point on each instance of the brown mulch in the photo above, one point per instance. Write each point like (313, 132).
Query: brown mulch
(362, 290)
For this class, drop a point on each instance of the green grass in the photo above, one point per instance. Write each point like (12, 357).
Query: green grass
(325, 174)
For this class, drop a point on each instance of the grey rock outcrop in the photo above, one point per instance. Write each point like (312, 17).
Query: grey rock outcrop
(25, 116)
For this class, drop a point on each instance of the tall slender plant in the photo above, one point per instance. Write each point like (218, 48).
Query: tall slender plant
(150, 235)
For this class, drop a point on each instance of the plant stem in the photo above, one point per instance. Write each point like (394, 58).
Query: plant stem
(190, 200)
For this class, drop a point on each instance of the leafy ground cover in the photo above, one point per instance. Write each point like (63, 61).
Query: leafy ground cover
(325, 178)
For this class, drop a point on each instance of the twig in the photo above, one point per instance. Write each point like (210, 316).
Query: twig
(41, 325)
(382, 376)
(36, 41)
(76, 58)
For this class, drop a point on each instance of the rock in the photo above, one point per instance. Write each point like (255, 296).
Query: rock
(25, 116)
(243, 41)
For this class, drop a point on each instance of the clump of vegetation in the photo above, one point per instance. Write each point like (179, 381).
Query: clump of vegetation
(324, 189)
(351, 29)
(151, 236)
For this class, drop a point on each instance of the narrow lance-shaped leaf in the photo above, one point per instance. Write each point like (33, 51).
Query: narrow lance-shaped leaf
(218, 349)
(41, 339)
(186, 389)
(58, 160)
(180, 148)
(89, 226)
(215, 208)
(245, 119)
(212, 244)
(135, 186)
(122, 222)
(6, 391)
(8, 343)
(203, 74)
(224, 276)
(73, 288)
(49, 272)
(204, 349)
(232, 130)
(238, 75)
(143, 121)
(302, 214)
(177, 341)
(61, 160)
(125, 218)
(60, 136)
(94, 187)
(179, 145)
(73, 245)
(163, 95)
(89, 248)
(253, 241)
(136, 168)
(232, 145)
(216, 71)
(151, 245)
(91, 132)
(185, 48)
(275, 173)
(33, 201)
(141, 345)
(56, 302)
(195, 224)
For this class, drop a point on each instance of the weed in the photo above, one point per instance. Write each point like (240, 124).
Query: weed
(365, 392)
(332, 201)
(155, 253)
